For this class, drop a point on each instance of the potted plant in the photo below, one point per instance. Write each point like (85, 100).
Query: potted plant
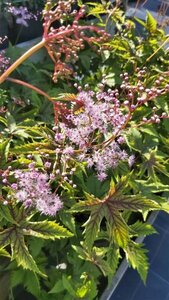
(80, 162)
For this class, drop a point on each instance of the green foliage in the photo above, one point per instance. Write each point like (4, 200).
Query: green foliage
(14, 235)
(66, 256)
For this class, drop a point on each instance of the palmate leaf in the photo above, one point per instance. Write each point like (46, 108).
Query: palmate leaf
(154, 164)
(95, 256)
(136, 256)
(21, 253)
(46, 230)
(110, 208)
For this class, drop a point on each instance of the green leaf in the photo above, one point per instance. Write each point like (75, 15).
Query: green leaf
(86, 204)
(83, 290)
(134, 203)
(92, 226)
(65, 97)
(117, 228)
(21, 253)
(17, 277)
(96, 187)
(142, 228)
(7, 212)
(4, 151)
(113, 256)
(35, 246)
(134, 139)
(98, 260)
(151, 23)
(46, 230)
(68, 286)
(32, 284)
(5, 237)
(10, 122)
(79, 2)
(68, 221)
(136, 256)
(57, 288)
(3, 252)
(31, 148)
(97, 9)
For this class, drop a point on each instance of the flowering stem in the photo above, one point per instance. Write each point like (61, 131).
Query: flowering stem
(20, 60)
(41, 44)
(39, 91)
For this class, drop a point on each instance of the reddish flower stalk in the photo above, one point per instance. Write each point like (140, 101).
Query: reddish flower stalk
(63, 43)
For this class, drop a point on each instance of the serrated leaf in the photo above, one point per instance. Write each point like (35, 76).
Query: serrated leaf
(57, 288)
(101, 263)
(4, 151)
(32, 284)
(32, 148)
(5, 237)
(113, 256)
(92, 226)
(134, 203)
(117, 228)
(81, 251)
(82, 291)
(67, 285)
(136, 256)
(3, 252)
(65, 97)
(10, 122)
(7, 212)
(97, 9)
(142, 228)
(46, 230)
(86, 204)
(17, 277)
(68, 221)
(21, 253)
(151, 23)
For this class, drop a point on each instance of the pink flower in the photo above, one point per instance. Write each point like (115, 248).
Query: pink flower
(33, 189)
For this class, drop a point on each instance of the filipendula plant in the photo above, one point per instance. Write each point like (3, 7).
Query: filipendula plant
(85, 177)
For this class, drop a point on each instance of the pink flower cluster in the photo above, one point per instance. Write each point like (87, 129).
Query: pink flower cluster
(91, 131)
(33, 190)
(4, 61)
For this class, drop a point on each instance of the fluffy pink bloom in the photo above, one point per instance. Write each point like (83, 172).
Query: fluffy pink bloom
(33, 190)
(101, 117)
